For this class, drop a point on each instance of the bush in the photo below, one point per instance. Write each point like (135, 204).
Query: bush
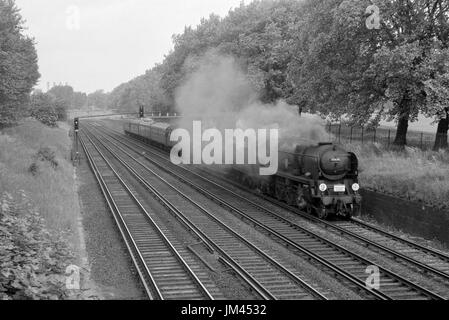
(46, 155)
(61, 110)
(33, 261)
(46, 115)
(43, 108)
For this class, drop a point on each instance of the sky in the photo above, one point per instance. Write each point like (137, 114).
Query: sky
(99, 44)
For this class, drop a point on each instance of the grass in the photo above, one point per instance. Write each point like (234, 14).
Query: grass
(410, 174)
(38, 212)
(52, 191)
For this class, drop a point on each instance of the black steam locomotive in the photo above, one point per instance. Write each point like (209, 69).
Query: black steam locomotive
(320, 179)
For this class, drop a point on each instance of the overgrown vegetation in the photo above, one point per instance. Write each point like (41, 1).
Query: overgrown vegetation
(411, 173)
(48, 108)
(38, 212)
(33, 260)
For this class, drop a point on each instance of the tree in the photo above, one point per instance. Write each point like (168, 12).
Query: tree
(60, 108)
(18, 64)
(258, 35)
(345, 68)
(437, 91)
(98, 99)
(79, 100)
(64, 93)
(43, 108)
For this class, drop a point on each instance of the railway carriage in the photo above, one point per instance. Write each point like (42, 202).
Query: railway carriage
(156, 133)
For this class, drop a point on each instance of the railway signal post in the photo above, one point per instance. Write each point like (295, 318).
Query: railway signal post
(75, 157)
(142, 112)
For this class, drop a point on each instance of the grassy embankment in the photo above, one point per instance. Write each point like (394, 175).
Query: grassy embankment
(38, 211)
(411, 174)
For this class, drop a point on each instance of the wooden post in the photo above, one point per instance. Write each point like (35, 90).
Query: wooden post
(389, 136)
(362, 134)
(339, 133)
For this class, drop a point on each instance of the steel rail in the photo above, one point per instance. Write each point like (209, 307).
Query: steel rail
(124, 231)
(339, 248)
(146, 184)
(183, 263)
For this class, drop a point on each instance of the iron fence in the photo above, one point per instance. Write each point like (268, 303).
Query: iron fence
(342, 133)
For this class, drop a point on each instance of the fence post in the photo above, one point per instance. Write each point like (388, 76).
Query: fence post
(389, 135)
(350, 139)
(339, 133)
(422, 136)
(362, 134)
(375, 135)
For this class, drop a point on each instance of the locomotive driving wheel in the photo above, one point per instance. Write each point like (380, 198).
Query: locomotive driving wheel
(291, 196)
(356, 210)
(309, 209)
(280, 192)
(322, 212)
(301, 201)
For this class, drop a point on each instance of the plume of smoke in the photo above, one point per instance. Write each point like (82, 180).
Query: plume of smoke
(219, 94)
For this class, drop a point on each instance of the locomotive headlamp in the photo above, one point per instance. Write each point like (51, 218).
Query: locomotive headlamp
(323, 187)
(356, 187)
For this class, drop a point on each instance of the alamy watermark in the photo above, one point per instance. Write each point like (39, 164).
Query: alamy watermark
(373, 21)
(236, 146)
(73, 277)
(373, 280)
(73, 19)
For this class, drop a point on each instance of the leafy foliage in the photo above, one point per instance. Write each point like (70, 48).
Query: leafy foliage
(68, 97)
(18, 64)
(258, 34)
(43, 108)
(33, 260)
(348, 69)
(98, 99)
(45, 154)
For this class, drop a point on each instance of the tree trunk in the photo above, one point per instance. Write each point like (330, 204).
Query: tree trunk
(441, 137)
(401, 132)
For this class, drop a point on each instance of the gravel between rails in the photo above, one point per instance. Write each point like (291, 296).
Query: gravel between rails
(110, 265)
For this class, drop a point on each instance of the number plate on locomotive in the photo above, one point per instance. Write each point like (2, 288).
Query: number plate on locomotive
(339, 188)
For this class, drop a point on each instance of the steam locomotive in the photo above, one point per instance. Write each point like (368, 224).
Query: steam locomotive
(319, 179)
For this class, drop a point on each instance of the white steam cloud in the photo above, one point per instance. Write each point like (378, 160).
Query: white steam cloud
(219, 94)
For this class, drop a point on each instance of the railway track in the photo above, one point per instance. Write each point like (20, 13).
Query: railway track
(346, 264)
(428, 260)
(270, 278)
(164, 273)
